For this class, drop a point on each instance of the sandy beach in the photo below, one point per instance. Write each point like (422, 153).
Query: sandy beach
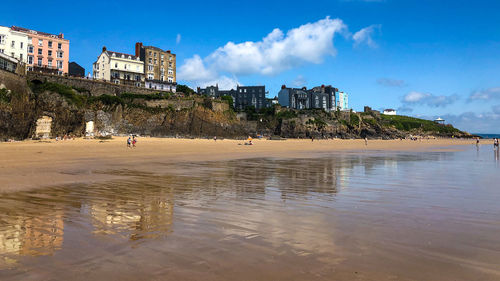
(34, 164)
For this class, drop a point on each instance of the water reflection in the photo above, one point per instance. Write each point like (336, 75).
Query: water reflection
(266, 208)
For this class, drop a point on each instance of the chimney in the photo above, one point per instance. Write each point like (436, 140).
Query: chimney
(304, 88)
(323, 88)
(61, 35)
(283, 87)
(104, 49)
(138, 47)
(168, 51)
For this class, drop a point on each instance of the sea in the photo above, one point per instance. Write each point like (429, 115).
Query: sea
(488, 136)
(369, 215)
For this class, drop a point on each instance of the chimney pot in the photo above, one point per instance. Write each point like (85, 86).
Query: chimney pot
(104, 48)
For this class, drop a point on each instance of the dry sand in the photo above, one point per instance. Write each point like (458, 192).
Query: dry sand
(34, 164)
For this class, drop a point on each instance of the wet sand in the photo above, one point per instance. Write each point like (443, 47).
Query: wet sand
(34, 164)
(342, 215)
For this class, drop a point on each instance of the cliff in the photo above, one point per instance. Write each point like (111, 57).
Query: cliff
(69, 108)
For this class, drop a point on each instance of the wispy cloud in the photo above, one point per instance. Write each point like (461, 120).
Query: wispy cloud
(414, 98)
(388, 82)
(299, 81)
(178, 38)
(365, 36)
(485, 95)
(275, 53)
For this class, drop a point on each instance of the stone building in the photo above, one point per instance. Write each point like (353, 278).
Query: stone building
(325, 97)
(45, 52)
(119, 68)
(159, 67)
(11, 64)
(243, 96)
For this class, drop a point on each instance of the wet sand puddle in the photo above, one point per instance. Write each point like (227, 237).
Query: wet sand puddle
(345, 216)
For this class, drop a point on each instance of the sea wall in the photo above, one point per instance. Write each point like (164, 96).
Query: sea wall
(94, 87)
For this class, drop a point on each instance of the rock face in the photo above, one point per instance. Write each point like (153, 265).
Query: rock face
(23, 103)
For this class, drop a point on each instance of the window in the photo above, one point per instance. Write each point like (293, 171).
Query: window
(60, 55)
(125, 66)
(150, 53)
(50, 44)
(161, 78)
(50, 53)
(116, 65)
(150, 60)
(156, 61)
(59, 46)
(12, 54)
(13, 44)
(40, 42)
(150, 67)
(30, 59)
(30, 40)
(21, 45)
(50, 63)
(21, 57)
(39, 61)
(137, 78)
(59, 64)
(155, 55)
(40, 51)
(1, 51)
(150, 76)
(2, 39)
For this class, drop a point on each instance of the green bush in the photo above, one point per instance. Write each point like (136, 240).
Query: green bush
(287, 114)
(67, 92)
(5, 96)
(354, 120)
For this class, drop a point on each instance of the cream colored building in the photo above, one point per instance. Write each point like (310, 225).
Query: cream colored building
(119, 68)
(14, 43)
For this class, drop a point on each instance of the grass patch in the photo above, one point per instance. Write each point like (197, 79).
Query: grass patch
(406, 123)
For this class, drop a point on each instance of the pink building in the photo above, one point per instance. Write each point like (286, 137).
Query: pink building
(46, 52)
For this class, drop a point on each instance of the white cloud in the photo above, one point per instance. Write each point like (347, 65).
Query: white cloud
(224, 83)
(275, 53)
(488, 94)
(178, 38)
(428, 99)
(364, 36)
(486, 122)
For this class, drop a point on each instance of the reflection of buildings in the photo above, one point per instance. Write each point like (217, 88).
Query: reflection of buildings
(32, 235)
(149, 215)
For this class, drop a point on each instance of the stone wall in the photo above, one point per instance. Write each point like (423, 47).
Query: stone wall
(12, 81)
(95, 87)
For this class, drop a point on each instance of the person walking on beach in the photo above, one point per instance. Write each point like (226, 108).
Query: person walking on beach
(129, 141)
(134, 141)
(495, 144)
(366, 141)
(215, 138)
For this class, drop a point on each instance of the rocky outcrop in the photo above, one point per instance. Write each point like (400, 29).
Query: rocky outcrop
(69, 109)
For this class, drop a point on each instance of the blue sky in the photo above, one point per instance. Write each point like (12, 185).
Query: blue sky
(424, 58)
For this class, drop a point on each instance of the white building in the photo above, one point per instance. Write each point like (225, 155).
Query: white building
(13, 43)
(119, 68)
(389, 111)
(342, 100)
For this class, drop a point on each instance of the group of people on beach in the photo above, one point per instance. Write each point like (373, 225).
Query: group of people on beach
(131, 142)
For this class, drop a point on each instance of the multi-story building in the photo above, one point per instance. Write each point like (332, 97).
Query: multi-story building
(13, 43)
(159, 67)
(243, 96)
(343, 101)
(325, 97)
(45, 51)
(119, 68)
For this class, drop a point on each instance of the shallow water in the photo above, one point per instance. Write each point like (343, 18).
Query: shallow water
(344, 216)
